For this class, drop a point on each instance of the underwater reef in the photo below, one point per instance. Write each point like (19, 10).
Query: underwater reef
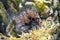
(29, 19)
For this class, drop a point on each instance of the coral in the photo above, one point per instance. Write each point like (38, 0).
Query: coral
(3, 13)
(12, 4)
(43, 33)
(26, 21)
(34, 20)
(42, 8)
